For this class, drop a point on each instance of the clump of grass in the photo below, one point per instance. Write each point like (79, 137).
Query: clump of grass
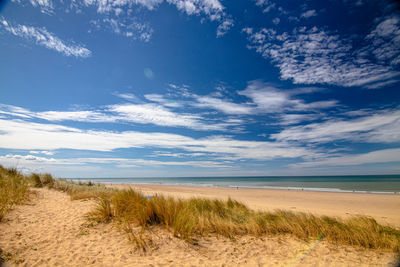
(14, 189)
(47, 180)
(42, 180)
(35, 180)
(197, 217)
(102, 212)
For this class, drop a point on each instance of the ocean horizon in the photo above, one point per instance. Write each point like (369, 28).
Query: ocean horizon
(384, 184)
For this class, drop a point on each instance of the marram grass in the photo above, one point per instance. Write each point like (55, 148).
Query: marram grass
(198, 217)
(14, 189)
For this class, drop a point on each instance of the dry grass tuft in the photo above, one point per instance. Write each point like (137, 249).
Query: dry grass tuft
(41, 180)
(14, 189)
(102, 212)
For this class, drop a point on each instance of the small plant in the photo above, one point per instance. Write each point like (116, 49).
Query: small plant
(102, 212)
(36, 181)
(47, 180)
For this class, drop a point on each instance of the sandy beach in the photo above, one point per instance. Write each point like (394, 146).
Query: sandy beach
(385, 208)
(52, 230)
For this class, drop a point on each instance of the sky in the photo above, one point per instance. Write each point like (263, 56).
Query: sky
(167, 88)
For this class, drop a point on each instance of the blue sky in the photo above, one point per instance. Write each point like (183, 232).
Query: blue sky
(136, 88)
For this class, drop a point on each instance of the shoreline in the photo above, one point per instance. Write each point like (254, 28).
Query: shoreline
(366, 185)
(385, 208)
(306, 189)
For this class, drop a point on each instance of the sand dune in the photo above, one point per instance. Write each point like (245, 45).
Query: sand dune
(53, 231)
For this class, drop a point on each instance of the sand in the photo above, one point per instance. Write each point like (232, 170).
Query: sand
(52, 230)
(385, 208)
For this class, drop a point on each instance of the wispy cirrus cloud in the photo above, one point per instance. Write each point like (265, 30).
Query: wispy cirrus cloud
(290, 119)
(46, 6)
(162, 100)
(267, 5)
(377, 156)
(385, 38)
(308, 14)
(44, 38)
(143, 113)
(35, 162)
(376, 127)
(126, 26)
(159, 115)
(269, 99)
(223, 105)
(121, 18)
(21, 134)
(317, 56)
(263, 98)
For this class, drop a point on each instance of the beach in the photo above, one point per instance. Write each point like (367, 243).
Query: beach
(53, 230)
(385, 208)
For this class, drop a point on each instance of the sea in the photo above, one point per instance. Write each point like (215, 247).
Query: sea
(378, 184)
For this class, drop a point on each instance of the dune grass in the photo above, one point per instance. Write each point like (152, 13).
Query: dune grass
(81, 190)
(199, 217)
(14, 189)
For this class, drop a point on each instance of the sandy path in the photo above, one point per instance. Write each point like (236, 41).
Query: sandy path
(384, 208)
(53, 231)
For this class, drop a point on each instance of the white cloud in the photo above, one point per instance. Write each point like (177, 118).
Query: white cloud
(267, 5)
(224, 106)
(162, 100)
(224, 27)
(46, 6)
(378, 156)
(290, 119)
(264, 99)
(386, 40)
(15, 111)
(33, 162)
(128, 96)
(44, 152)
(137, 113)
(381, 127)
(312, 56)
(126, 26)
(84, 116)
(212, 9)
(19, 134)
(309, 14)
(276, 21)
(26, 159)
(271, 100)
(44, 38)
(158, 115)
(109, 6)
